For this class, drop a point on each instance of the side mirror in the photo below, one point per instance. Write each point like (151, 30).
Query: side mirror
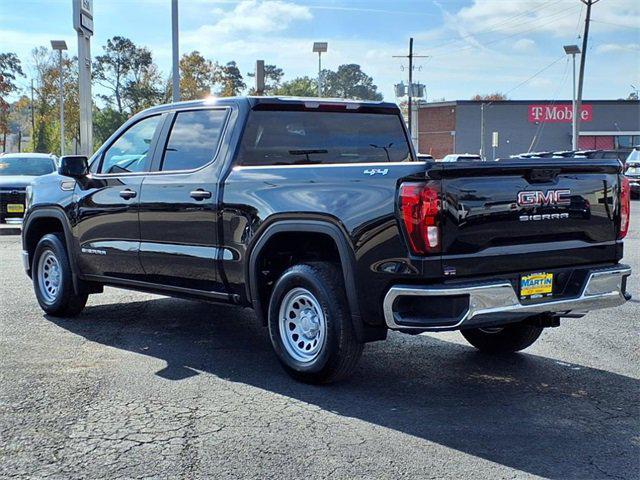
(74, 166)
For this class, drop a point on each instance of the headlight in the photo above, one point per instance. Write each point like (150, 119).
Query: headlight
(28, 196)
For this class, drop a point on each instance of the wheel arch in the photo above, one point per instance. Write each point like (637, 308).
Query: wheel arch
(49, 220)
(323, 227)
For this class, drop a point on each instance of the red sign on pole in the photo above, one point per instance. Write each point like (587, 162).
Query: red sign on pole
(562, 113)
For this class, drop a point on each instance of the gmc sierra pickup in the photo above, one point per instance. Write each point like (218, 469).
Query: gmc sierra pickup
(318, 215)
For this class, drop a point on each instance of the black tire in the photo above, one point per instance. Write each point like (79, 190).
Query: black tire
(65, 302)
(340, 350)
(511, 338)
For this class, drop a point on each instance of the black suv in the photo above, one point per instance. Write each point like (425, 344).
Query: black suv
(318, 215)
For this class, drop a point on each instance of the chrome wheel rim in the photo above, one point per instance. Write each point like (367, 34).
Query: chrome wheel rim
(303, 327)
(49, 276)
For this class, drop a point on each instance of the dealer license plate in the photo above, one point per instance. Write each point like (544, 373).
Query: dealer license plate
(15, 208)
(536, 285)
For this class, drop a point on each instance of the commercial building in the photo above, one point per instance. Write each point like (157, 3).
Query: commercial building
(525, 125)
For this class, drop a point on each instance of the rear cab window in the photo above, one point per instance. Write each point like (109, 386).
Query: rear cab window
(320, 137)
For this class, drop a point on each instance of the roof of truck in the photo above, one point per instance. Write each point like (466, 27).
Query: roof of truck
(256, 102)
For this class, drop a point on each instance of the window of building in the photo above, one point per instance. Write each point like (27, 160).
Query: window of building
(298, 138)
(627, 141)
(194, 139)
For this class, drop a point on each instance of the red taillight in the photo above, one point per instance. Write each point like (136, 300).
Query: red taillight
(419, 209)
(625, 207)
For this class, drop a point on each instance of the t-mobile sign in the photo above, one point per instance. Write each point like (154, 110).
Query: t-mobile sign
(558, 113)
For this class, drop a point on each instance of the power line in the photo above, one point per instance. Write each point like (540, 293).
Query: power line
(470, 47)
(615, 24)
(537, 21)
(535, 74)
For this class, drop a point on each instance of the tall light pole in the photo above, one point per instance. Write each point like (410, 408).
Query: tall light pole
(175, 50)
(573, 50)
(320, 48)
(60, 45)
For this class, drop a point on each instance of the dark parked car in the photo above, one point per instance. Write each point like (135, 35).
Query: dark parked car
(17, 170)
(317, 214)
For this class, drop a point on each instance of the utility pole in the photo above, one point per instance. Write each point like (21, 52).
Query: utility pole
(259, 77)
(583, 57)
(175, 51)
(33, 119)
(411, 56)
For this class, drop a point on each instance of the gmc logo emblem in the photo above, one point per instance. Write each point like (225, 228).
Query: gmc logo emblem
(537, 198)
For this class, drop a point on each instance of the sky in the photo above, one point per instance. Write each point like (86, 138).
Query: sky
(472, 46)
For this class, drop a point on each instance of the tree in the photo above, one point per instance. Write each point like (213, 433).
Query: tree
(10, 69)
(231, 80)
(105, 122)
(272, 79)
(47, 96)
(491, 97)
(129, 73)
(298, 87)
(197, 76)
(349, 81)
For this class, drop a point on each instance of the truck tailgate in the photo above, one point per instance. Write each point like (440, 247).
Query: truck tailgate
(525, 215)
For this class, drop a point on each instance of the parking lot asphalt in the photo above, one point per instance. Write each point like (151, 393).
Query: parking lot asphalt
(141, 386)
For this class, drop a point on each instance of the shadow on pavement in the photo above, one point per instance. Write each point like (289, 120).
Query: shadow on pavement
(524, 411)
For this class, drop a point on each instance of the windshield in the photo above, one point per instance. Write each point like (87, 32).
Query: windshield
(634, 157)
(288, 138)
(32, 166)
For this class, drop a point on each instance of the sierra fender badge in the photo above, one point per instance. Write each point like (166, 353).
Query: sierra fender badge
(376, 171)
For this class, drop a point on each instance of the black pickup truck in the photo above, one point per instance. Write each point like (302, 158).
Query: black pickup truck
(318, 215)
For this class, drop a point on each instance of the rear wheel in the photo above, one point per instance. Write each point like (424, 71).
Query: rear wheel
(310, 326)
(511, 338)
(52, 280)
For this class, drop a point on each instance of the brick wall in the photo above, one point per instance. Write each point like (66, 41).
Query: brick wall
(435, 127)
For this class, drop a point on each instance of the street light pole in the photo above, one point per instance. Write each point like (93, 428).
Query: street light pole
(60, 45)
(482, 130)
(320, 47)
(573, 50)
(175, 51)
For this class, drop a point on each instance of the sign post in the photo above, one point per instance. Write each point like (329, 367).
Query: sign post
(494, 143)
(83, 24)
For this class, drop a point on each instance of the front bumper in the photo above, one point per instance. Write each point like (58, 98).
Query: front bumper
(25, 260)
(497, 302)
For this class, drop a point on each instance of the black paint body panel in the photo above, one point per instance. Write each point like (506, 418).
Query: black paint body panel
(163, 240)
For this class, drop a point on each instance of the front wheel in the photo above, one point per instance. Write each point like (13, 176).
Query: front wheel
(511, 338)
(52, 279)
(310, 326)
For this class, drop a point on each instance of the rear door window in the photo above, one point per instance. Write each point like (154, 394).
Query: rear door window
(298, 138)
(193, 140)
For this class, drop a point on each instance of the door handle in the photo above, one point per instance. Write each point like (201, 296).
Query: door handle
(200, 194)
(127, 194)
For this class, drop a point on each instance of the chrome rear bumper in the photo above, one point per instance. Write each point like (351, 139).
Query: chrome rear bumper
(604, 288)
